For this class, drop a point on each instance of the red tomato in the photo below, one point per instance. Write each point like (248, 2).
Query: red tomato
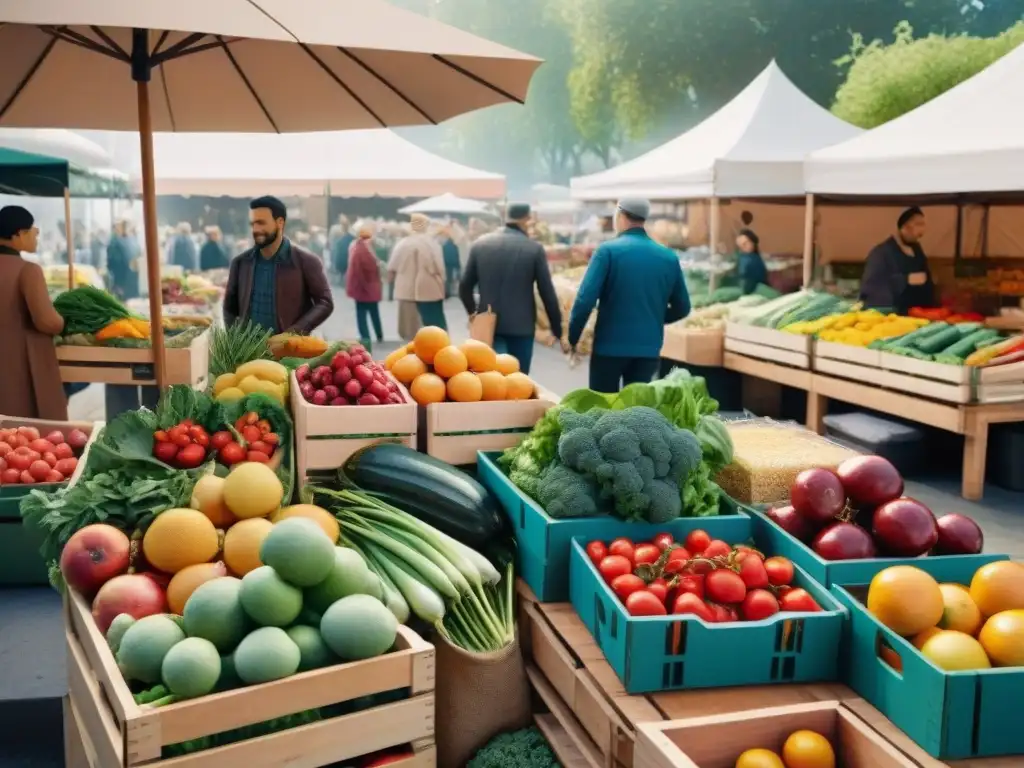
(660, 588)
(614, 565)
(688, 603)
(26, 478)
(663, 541)
(257, 456)
(165, 452)
(264, 426)
(251, 434)
(622, 547)
(5, 448)
(67, 466)
(720, 612)
(799, 601)
(219, 439)
(29, 433)
(646, 553)
(753, 572)
(717, 548)
(692, 583)
(645, 604)
(231, 454)
(597, 551)
(20, 441)
(696, 541)
(702, 567)
(54, 477)
(50, 458)
(39, 469)
(10, 476)
(63, 451)
(180, 439)
(759, 604)
(626, 584)
(724, 586)
(191, 456)
(160, 436)
(261, 447)
(18, 461)
(780, 571)
(743, 552)
(41, 446)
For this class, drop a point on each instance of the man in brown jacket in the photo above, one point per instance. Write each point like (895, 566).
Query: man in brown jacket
(276, 284)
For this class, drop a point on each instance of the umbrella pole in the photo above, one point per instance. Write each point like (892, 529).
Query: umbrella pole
(69, 234)
(152, 243)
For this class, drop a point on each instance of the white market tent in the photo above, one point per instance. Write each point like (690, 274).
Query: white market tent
(449, 204)
(361, 163)
(57, 142)
(969, 139)
(754, 146)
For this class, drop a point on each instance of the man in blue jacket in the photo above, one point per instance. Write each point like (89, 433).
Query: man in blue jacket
(638, 287)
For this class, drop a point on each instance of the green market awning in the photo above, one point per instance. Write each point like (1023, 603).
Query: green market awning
(32, 175)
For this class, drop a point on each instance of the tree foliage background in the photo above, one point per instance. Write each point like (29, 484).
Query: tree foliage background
(623, 75)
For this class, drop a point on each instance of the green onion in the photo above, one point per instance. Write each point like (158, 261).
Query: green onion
(422, 600)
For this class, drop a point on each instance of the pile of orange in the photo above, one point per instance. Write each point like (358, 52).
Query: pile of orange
(437, 371)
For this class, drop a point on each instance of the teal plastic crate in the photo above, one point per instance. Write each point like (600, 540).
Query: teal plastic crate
(669, 653)
(543, 543)
(951, 715)
(21, 565)
(829, 572)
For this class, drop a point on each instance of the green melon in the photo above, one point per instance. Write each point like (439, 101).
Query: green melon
(359, 627)
(349, 575)
(268, 599)
(228, 674)
(313, 651)
(144, 645)
(299, 550)
(214, 612)
(117, 629)
(266, 654)
(191, 668)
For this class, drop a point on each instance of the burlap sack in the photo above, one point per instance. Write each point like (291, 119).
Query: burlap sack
(479, 695)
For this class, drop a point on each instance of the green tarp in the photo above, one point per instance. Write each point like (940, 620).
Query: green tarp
(25, 173)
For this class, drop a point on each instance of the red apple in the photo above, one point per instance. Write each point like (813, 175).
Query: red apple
(93, 556)
(135, 594)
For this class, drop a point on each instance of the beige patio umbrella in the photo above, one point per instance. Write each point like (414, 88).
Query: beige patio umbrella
(239, 66)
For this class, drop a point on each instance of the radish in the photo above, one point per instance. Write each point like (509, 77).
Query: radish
(332, 392)
(302, 373)
(363, 375)
(306, 389)
(322, 376)
(378, 390)
(77, 439)
(339, 401)
(368, 399)
(319, 397)
(342, 376)
(353, 389)
(56, 437)
(341, 360)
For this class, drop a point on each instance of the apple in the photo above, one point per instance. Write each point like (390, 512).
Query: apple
(135, 594)
(93, 556)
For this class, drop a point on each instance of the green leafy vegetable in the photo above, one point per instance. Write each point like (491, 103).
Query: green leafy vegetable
(88, 309)
(519, 749)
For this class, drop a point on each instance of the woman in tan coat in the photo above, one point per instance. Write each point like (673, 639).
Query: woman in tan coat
(416, 267)
(31, 387)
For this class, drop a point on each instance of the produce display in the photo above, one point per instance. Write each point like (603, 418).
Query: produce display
(57, 277)
(193, 290)
(957, 627)
(857, 328)
(28, 458)
(567, 284)
(351, 378)
(703, 577)
(519, 749)
(437, 371)
(186, 445)
(802, 306)
(802, 749)
(859, 511)
(266, 377)
(722, 305)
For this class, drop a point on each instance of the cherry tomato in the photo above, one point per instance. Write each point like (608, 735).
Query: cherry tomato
(743, 552)
(720, 612)
(626, 584)
(271, 438)
(724, 586)
(622, 547)
(191, 456)
(264, 426)
(799, 601)
(780, 571)
(677, 560)
(717, 548)
(692, 583)
(696, 541)
(753, 572)
(614, 565)
(597, 551)
(257, 456)
(261, 447)
(250, 434)
(646, 553)
(232, 454)
(187, 423)
(660, 588)
(663, 541)
(160, 436)
(645, 604)
(219, 439)
(688, 603)
(759, 604)
(165, 452)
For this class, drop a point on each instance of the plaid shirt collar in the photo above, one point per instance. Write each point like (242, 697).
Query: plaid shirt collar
(283, 255)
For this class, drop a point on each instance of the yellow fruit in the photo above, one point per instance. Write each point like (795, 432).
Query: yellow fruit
(519, 386)
(906, 599)
(1002, 637)
(998, 587)
(179, 538)
(807, 749)
(449, 361)
(506, 364)
(427, 388)
(252, 489)
(407, 368)
(266, 370)
(187, 580)
(955, 652)
(242, 544)
(959, 611)
(921, 638)
(208, 498)
(479, 356)
(494, 385)
(250, 385)
(759, 758)
(465, 387)
(327, 522)
(230, 395)
(394, 357)
(224, 381)
(429, 341)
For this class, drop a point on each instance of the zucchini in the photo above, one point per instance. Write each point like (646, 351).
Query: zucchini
(969, 343)
(938, 342)
(430, 490)
(908, 339)
(812, 310)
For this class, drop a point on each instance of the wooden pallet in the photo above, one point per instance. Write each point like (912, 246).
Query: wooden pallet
(135, 367)
(695, 346)
(769, 344)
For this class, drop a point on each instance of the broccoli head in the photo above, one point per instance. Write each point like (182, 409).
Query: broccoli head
(563, 492)
(519, 749)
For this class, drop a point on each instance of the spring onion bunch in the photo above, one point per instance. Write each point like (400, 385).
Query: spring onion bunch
(442, 581)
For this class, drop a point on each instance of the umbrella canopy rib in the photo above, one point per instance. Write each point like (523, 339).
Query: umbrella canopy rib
(388, 84)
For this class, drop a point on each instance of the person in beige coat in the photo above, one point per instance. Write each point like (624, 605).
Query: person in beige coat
(416, 267)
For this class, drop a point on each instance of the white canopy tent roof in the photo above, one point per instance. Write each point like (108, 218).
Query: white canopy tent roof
(969, 139)
(56, 142)
(449, 203)
(754, 146)
(352, 163)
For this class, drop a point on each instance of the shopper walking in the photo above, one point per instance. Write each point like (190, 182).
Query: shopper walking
(183, 248)
(363, 282)
(416, 267)
(452, 266)
(212, 255)
(638, 287)
(505, 266)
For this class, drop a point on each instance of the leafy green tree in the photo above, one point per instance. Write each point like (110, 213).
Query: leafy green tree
(886, 80)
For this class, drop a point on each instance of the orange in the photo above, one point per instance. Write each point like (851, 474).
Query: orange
(449, 361)
(407, 368)
(959, 611)
(921, 638)
(807, 749)
(998, 587)
(179, 538)
(428, 388)
(494, 385)
(394, 357)
(955, 652)
(906, 599)
(1002, 637)
(465, 387)
(519, 386)
(187, 580)
(506, 364)
(480, 356)
(242, 544)
(429, 341)
(759, 758)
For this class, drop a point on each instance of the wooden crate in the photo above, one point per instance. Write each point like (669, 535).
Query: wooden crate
(456, 431)
(789, 349)
(134, 367)
(694, 346)
(717, 741)
(847, 353)
(326, 435)
(118, 732)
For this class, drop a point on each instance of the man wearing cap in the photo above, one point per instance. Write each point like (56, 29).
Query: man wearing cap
(896, 275)
(505, 266)
(638, 288)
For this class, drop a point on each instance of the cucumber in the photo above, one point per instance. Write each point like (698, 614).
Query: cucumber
(969, 343)
(908, 339)
(938, 342)
(430, 490)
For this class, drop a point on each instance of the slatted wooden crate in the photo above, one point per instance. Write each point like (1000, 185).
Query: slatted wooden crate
(789, 349)
(696, 346)
(135, 367)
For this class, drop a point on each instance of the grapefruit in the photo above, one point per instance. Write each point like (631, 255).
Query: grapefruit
(479, 356)
(187, 580)
(407, 368)
(506, 364)
(208, 498)
(519, 386)
(998, 587)
(494, 386)
(959, 611)
(1002, 637)
(450, 361)
(955, 652)
(242, 544)
(252, 490)
(179, 538)
(465, 387)
(759, 758)
(430, 340)
(905, 599)
(428, 388)
(328, 523)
